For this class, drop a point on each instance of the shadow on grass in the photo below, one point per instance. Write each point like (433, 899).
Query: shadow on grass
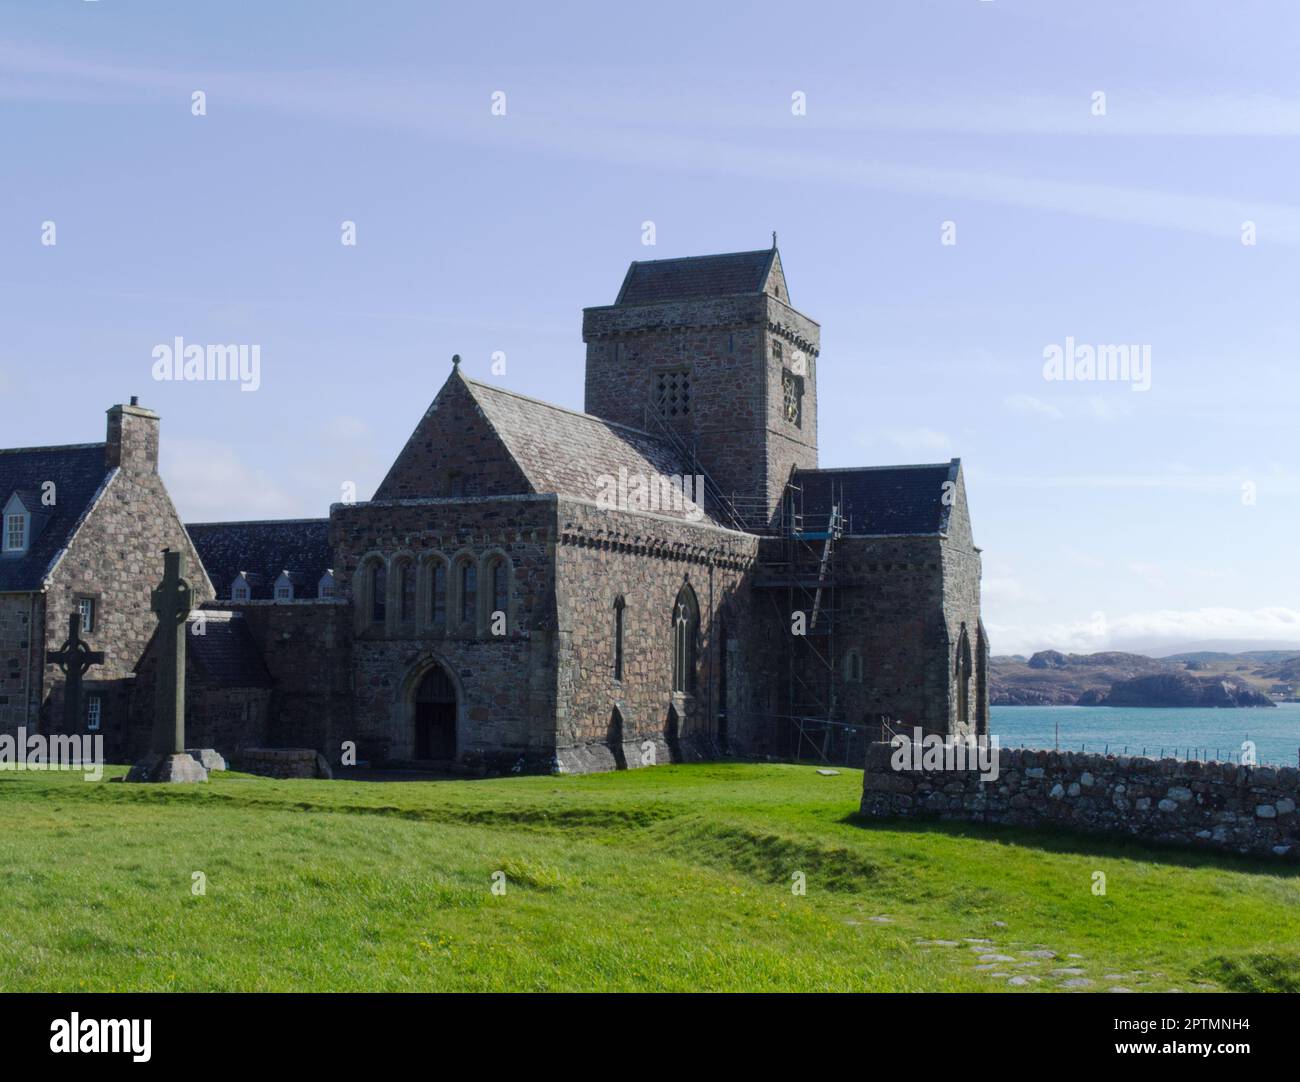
(1078, 843)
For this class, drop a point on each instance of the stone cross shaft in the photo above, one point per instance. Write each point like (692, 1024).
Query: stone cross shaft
(73, 658)
(171, 600)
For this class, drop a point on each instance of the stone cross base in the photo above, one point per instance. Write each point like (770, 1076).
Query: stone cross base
(156, 767)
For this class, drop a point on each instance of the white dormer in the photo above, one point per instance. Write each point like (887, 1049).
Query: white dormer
(325, 588)
(17, 529)
(239, 589)
(283, 587)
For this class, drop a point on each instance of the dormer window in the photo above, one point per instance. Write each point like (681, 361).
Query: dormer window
(325, 588)
(284, 587)
(17, 526)
(240, 590)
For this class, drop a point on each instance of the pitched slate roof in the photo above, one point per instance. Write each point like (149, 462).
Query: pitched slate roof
(226, 651)
(264, 549)
(700, 276)
(880, 500)
(78, 472)
(568, 453)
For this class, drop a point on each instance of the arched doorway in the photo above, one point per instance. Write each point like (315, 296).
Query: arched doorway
(435, 715)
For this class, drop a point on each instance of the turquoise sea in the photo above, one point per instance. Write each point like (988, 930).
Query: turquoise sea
(1181, 732)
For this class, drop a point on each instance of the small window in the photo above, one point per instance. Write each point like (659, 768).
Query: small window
(853, 667)
(406, 592)
(500, 587)
(239, 589)
(378, 594)
(619, 606)
(468, 592)
(325, 588)
(777, 349)
(94, 712)
(284, 587)
(439, 595)
(15, 532)
(455, 485)
(672, 392)
(86, 607)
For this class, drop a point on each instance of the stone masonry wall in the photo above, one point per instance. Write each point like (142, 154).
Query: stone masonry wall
(22, 616)
(505, 684)
(1204, 805)
(735, 423)
(115, 558)
(891, 610)
(646, 559)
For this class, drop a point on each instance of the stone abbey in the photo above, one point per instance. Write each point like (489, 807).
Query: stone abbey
(491, 608)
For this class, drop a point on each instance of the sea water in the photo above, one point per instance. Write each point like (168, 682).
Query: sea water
(1187, 732)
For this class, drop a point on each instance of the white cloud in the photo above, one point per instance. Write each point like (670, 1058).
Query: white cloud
(210, 483)
(1152, 632)
(1029, 406)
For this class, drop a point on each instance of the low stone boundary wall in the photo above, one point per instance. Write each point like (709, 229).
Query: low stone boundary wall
(1240, 809)
(282, 762)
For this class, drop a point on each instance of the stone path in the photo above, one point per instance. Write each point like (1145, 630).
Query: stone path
(996, 962)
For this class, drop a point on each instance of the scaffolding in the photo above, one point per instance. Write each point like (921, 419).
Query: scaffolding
(797, 572)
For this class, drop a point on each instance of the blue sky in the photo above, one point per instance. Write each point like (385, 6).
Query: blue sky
(1109, 517)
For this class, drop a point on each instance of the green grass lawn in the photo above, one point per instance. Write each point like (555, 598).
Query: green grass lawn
(670, 878)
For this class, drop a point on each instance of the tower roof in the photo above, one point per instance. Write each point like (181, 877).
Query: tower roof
(696, 277)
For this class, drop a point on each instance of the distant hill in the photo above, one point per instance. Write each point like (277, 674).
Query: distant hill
(1051, 678)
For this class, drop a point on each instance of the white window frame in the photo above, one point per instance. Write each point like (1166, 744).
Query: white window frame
(86, 609)
(19, 523)
(94, 712)
(283, 590)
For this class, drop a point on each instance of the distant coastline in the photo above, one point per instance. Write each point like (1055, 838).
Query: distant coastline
(1260, 678)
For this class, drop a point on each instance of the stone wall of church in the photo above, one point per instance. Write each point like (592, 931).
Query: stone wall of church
(891, 610)
(646, 559)
(20, 659)
(505, 683)
(961, 601)
(736, 421)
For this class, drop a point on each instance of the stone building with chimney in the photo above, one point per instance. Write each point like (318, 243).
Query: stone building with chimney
(667, 575)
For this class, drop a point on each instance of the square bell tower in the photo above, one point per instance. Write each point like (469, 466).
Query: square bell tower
(708, 353)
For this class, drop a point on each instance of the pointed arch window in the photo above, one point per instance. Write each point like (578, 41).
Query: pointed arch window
(378, 593)
(439, 586)
(686, 626)
(468, 592)
(963, 675)
(500, 586)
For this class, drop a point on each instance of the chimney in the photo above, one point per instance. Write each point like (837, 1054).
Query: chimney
(132, 438)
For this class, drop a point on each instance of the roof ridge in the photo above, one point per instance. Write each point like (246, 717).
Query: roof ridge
(258, 522)
(707, 255)
(53, 447)
(565, 409)
(900, 466)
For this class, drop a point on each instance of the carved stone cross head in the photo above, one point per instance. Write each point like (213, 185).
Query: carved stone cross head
(172, 598)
